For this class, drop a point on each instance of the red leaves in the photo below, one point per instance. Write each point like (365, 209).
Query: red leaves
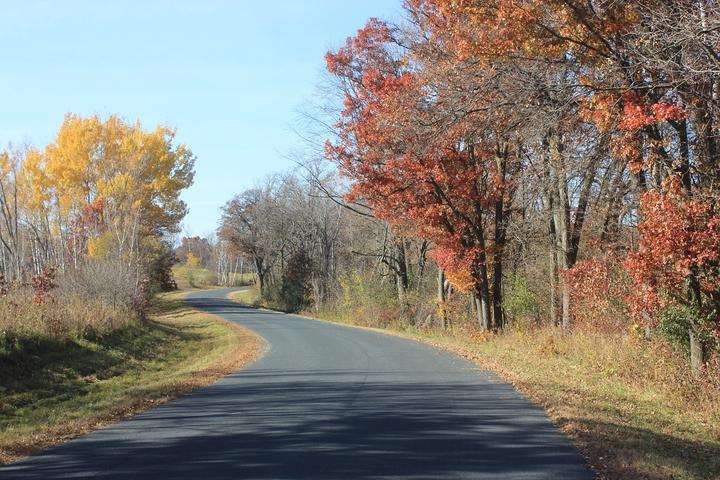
(637, 113)
(89, 223)
(664, 112)
(92, 214)
(598, 287)
(679, 239)
(439, 183)
(456, 263)
(368, 43)
(42, 284)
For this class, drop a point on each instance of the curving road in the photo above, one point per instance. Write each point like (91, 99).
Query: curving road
(326, 402)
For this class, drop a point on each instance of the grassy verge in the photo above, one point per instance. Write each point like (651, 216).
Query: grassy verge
(628, 405)
(248, 296)
(51, 391)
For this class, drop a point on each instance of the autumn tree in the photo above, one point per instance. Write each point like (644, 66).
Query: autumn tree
(678, 265)
(104, 189)
(444, 126)
(199, 247)
(11, 254)
(250, 224)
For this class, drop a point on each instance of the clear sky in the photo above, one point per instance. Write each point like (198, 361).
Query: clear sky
(229, 75)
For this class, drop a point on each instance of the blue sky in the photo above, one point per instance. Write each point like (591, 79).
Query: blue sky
(229, 75)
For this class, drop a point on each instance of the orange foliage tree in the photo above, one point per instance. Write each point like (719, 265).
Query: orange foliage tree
(448, 187)
(678, 263)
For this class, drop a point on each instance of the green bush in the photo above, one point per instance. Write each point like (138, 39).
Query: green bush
(159, 258)
(675, 324)
(196, 277)
(519, 301)
(366, 301)
(293, 294)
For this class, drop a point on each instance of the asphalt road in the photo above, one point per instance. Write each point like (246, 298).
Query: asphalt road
(326, 402)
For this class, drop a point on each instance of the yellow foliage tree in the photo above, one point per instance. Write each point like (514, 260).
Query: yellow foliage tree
(138, 173)
(100, 188)
(192, 261)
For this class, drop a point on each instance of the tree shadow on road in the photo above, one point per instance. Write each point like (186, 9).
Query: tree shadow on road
(368, 430)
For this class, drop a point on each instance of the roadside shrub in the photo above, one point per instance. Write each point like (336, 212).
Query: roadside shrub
(95, 299)
(59, 316)
(196, 277)
(639, 362)
(364, 300)
(294, 292)
(519, 302)
(158, 259)
(598, 289)
(109, 281)
(272, 298)
(678, 254)
(296, 282)
(240, 280)
(675, 324)
(42, 284)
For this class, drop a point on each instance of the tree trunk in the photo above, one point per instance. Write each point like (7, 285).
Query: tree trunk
(697, 354)
(561, 219)
(682, 167)
(441, 298)
(401, 272)
(422, 260)
(501, 219)
(498, 322)
(260, 276)
(497, 277)
(400, 288)
(561, 263)
(553, 274)
(483, 300)
(483, 313)
(565, 303)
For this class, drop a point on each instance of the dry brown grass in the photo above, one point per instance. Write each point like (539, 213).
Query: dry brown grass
(59, 316)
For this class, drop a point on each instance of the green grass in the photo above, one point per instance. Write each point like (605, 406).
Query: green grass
(249, 296)
(243, 279)
(52, 390)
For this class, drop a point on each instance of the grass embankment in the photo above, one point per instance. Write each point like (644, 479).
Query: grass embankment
(53, 390)
(248, 296)
(627, 404)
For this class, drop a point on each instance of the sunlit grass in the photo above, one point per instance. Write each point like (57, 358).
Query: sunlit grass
(247, 296)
